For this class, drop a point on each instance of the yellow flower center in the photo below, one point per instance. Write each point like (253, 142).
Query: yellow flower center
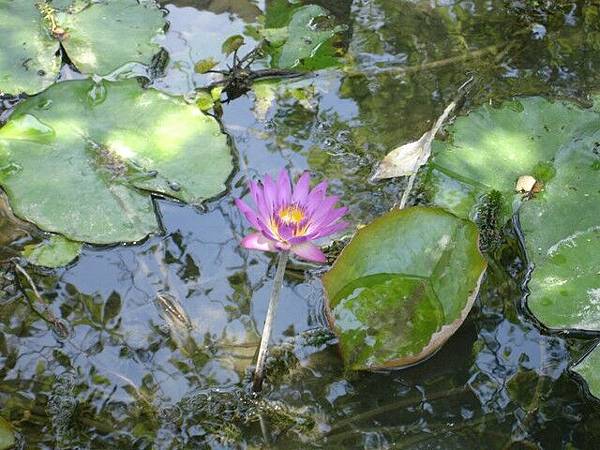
(291, 215)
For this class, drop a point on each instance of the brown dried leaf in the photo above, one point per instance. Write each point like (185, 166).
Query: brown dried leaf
(408, 158)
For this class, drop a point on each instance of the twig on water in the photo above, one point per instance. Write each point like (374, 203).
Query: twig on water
(48, 316)
(427, 139)
(406, 70)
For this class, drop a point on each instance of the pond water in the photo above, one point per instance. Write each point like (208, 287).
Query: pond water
(131, 374)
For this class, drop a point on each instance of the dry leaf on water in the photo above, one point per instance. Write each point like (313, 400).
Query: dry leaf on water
(408, 158)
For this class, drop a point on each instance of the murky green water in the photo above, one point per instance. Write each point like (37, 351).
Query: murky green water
(134, 373)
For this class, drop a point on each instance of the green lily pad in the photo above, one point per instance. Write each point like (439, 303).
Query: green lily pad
(305, 42)
(7, 435)
(403, 286)
(28, 55)
(562, 238)
(55, 252)
(588, 369)
(492, 147)
(81, 159)
(108, 34)
(557, 143)
(99, 37)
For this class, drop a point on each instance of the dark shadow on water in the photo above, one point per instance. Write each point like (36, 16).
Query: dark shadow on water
(137, 373)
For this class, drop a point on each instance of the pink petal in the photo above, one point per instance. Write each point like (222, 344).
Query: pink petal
(330, 218)
(256, 241)
(301, 189)
(270, 194)
(309, 251)
(324, 208)
(330, 229)
(248, 212)
(284, 188)
(315, 197)
(259, 199)
(265, 230)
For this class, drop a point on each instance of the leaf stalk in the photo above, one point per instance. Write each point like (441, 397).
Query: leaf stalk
(259, 372)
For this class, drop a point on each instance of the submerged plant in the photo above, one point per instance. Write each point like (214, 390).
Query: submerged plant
(288, 220)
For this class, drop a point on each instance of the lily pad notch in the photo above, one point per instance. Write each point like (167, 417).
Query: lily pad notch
(98, 37)
(556, 146)
(403, 286)
(105, 160)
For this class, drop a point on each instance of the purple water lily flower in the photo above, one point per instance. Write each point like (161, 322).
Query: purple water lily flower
(291, 219)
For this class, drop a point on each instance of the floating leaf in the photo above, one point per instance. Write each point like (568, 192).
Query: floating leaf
(403, 286)
(265, 93)
(303, 42)
(232, 44)
(588, 369)
(492, 147)
(562, 238)
(7, 435)
(55, 252)
(408, 158)
(77, 159)
(98, 38)
(28, 56)
(204, 65)
(107, 34)
(549, 144)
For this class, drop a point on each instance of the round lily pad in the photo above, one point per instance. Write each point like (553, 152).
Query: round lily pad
(108, 34)
(493, 146)
(403, 286)
(558, 145)
(562, 238)
(82, 158)
(28, 55)
(98, 37)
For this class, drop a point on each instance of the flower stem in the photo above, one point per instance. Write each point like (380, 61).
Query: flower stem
(259, 373)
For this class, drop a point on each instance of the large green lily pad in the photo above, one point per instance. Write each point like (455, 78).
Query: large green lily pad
(28, 54)
(99, 37)
(403, 286)
(562, 238)
(557, 143)
(107, 34)
(492, 147)
(81, 158)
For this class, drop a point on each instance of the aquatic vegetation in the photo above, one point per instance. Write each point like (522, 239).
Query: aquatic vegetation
(488, 171)
(290, 219)
(402, 286)
(116, 158)
(148, 342)
(35, 32)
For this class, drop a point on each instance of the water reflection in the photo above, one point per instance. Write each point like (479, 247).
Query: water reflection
(196, 31)
(137, 372)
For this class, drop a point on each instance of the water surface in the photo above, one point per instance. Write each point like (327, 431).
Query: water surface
(133, 375)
